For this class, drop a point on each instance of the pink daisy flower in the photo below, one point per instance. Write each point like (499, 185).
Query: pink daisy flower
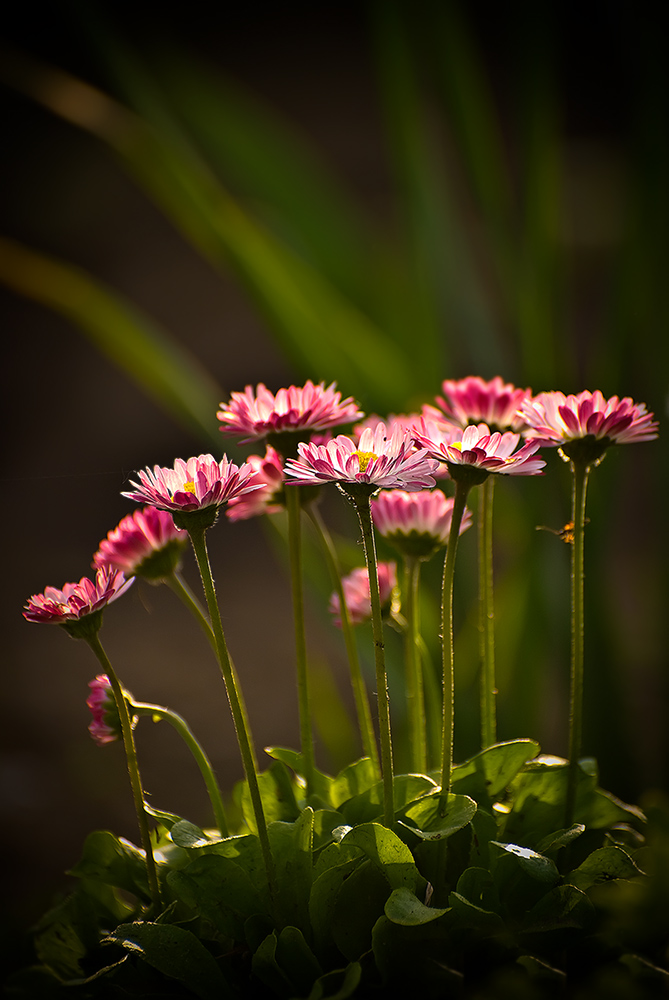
(556, 419)
(76, 600)
(266, 500)
(357, 594)
(471, 400)
(105, 726)
(193, 485)
(257, 413)
(375, 461)
(418, 524)
(477, 449)
(146, 543)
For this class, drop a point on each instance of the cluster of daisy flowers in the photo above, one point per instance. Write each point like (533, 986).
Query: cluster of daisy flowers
(474, 426)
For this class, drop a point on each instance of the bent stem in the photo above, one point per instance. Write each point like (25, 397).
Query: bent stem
(133, 766)
(242, 729)
(201, 758)
(580, 484)
(447, 649)
(367, 735)
(364, 511)
(414, 672)
(487, 617)
(295, 551)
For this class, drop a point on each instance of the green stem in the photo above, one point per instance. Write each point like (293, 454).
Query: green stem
(432, 686)
(487, 617)
(414, 673)
(201, 758)
(580, 484)
(363, 508)
(363, 709)
(242, 729)
(293, 507)
(133, 766)
(447, 651)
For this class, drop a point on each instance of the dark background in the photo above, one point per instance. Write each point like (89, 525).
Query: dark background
(75, 427)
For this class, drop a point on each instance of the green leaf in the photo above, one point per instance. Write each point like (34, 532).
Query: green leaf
(187, 835)
(325, 821)
(564, 907)
(387, 852)
(476, 885)
(176, 953)
(277, 794)
(291, 849)
(603, 865)
(403, 952)
(340, 984)
(113, 861)
(357, 907)
(535, 865)
(368, 805)
(466, 915)
(352, 781)
(265, 967)
(488, 773)
(560, 838)
(429, 822)
(136, 344)
(403, 907)
(322, 898)
(297, 960)
(295, 761)
(221, 891)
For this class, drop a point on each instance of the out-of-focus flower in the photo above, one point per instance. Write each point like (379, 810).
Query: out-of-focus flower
(259, 413)
(357, 594)
(146, 543)
(376, 461)
(585, 425)
(417, 524)
(478, 451)
(266, 500)
(78, 604)
(406, 422)
(471, 400)
(193, 485)
(106, 725)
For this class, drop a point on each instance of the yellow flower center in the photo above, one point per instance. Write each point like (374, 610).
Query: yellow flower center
(188, 487)
(364, 458)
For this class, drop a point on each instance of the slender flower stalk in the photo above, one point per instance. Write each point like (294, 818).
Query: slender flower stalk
(361, 502)
(414, 672)
(133, 766)
(363, 710)
(488, 684)
(199, 543)
(584, 427)
(160, 712)
(295, 555)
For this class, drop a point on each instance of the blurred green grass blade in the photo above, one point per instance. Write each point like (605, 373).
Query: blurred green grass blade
(269, 163)
(163, 369)
(321, 331)
(450, 307)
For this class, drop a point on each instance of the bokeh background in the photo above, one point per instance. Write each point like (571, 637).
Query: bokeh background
(382, 194)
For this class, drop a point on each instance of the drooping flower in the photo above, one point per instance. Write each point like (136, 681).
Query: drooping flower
(477, 452)
(193, 485)
(266, 500)
(259, 413)
(77, 603)
(377, 460)
(146, 543)
(105, 726)
(417, 524)
(472, 400)
(587, 422)
(357, 594)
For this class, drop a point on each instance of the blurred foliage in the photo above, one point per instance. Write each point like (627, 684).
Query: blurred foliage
(514, 249)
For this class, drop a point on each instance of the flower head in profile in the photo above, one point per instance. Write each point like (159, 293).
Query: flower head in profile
(377, 460)
(78, 606)
(586, 424)
(146, 543)
(298, 409)
(268, 499)
(105, 726)
(417, 524)
(198, 484)
(357, 594)
(472, 400)
(476, 452)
